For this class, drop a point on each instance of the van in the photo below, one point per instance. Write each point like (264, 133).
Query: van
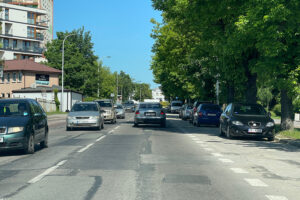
(175, 106)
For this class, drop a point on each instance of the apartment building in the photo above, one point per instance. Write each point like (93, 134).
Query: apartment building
(24, 28)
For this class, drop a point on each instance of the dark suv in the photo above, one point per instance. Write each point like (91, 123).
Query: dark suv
(23, 123)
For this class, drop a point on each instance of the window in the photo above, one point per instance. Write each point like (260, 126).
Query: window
(6, 14)
(8, 78)
(8, 95)
(20, 76)
(2, 79)
(14, 77)
(6, 43)
(30, 18)
(30, 32)
(15, 44)
(3, 95)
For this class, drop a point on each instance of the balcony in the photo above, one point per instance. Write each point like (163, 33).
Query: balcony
(34, 50)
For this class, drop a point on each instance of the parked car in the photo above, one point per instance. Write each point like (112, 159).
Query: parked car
(120, 111)
(108, 109)
(194, 109)
(208, 114)
(150, 113)
(85, 115)
(251, 120)
(23, 124)
(175, 106)
(129, 106)
(185, 111)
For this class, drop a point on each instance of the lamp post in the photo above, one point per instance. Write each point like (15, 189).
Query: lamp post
(98, 91)
(62, 72)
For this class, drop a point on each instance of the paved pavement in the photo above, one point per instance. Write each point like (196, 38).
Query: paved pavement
(150, 162)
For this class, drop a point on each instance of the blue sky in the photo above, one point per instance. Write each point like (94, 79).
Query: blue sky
(120, 29)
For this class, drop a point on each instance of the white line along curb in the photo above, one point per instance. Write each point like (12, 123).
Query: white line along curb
(46, 172)
(256, 182)
(272, 197)
(217, 154)
(85, 148)
(225, 160)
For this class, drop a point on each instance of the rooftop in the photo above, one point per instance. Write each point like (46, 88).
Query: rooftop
(28, 65)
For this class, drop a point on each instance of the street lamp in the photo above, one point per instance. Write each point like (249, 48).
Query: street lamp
(62, 71)
(98, 91)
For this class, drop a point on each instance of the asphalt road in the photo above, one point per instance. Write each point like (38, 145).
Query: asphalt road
(149, 162)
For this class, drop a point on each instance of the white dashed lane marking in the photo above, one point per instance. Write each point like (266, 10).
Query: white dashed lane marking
(110, 132)
(217, 154)
(85, 148)
(46, 172)
(255, 182)
(208, 149)
(100, 138)
(239, 171)
(272, 197)
(225, 160)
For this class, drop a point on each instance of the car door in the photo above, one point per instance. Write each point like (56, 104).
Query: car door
(38, 121)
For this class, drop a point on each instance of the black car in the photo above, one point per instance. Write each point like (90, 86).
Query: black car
(23, 123)
(250, 120)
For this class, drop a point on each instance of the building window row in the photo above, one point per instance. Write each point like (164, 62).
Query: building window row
(15, 76)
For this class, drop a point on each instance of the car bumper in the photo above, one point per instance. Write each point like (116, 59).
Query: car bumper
(83, 123)
(242, 131)
(209, 121)
(13, 141)
(152, 120)
(120, 115)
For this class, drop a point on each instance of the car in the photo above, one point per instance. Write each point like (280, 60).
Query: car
(186, 110)
(108, 109)
(208, 114)
(246, 120)
(175, 106)
(120, 111)
(85, 115)
(194, 109)
(129, 106)
(23, 124)
(150, 113)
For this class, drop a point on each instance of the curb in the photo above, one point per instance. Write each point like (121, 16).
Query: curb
(295, 143)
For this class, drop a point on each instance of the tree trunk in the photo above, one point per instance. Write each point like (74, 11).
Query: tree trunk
(287, 113)
(230, 93)
(251, 89)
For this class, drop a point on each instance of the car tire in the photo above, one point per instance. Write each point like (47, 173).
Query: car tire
(228, 135)
(68, 128)
(271, 138)
(29, 149)
(135, 124)
(163, 124)
(44, 144)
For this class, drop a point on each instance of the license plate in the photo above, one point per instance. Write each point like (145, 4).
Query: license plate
(150, 114)
(255, 130)
(211, 115)
(1, 140)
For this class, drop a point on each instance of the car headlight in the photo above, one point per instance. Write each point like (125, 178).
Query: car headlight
(95, 117)
(14, 130)
(270, 124)
(237, 123)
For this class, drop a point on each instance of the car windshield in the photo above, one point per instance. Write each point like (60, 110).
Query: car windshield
(119, 107)
(249, 110)
(105, 104)
(13, 109)
(211, 107)
(145, 106)
(84, 107)
(176, 104)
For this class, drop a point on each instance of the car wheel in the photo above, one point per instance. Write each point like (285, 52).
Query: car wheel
(135, 124)
(68, 128)
(44, 144)
(163, 124)
(29, 149)
(220, 130)
(228, 135)
(271, 138)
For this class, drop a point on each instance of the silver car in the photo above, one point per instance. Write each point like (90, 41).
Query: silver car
(120, 111)
(150, 113)
(85, 115)
(109, 112)
(186, 111)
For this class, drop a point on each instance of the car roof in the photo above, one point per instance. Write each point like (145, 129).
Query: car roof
(17, 100)
(86, 102)
(103, 100)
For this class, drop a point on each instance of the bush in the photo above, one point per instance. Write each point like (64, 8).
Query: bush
(57, 103)
(164, 104)
(277, 109)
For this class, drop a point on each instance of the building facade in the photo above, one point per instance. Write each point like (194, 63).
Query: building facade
(158, 95)
(25, 28)
(18, 74)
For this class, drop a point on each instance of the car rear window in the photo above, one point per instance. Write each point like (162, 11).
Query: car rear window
(211, 107)
(145, 106)
(176, 104)
(84, 107)
(13, 109)
(105, 104)
(249, 110)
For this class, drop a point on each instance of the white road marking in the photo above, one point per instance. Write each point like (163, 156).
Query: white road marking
(239, 171)
(225, 160)
(256, 182)
(217, 154)
(272, 197)
(100, 138)
(85, 148)
(46, 172)
(199, 142)
(110, 132)
(208, 149)
(116, 127)
(192, 136)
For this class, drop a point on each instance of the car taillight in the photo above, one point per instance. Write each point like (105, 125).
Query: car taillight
(162, 113)
(200, 114)
(137, 112)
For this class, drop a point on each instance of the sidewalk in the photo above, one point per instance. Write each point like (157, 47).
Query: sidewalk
(296, 123)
